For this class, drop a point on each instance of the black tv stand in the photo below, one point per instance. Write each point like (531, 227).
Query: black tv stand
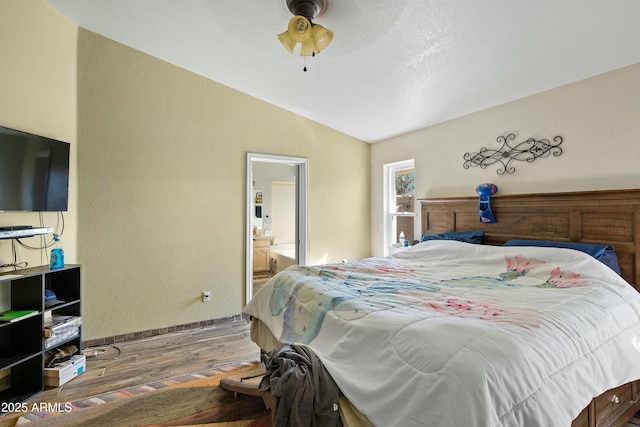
(23, 348)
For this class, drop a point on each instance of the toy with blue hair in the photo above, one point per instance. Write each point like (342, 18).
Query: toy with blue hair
(485, 191)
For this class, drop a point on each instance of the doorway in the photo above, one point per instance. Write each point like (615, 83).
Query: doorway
(271, 211)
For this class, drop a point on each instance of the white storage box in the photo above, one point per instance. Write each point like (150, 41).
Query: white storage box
(65, 371)
(61, 329)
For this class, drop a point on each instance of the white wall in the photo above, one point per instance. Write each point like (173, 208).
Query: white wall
(599, 119)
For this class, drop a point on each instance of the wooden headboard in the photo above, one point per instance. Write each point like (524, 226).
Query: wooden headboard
(601, 217)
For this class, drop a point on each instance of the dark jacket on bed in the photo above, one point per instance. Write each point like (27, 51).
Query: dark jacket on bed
(307, 394)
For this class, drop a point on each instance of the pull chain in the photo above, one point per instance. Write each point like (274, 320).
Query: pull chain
(305, 61)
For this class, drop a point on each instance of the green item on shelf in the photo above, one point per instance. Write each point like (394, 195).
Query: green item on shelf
(14, 315)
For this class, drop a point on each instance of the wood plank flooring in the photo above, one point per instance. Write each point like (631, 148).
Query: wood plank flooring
(130, 363)
(136, 362)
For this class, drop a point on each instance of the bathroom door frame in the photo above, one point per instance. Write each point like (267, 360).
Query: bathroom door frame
(302, 211)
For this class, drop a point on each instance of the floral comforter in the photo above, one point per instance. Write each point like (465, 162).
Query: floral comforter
(454, 334)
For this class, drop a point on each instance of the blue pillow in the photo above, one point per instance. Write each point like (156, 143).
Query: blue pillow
(595, 251)
(610, 259)
(461, 236)
(605, 254)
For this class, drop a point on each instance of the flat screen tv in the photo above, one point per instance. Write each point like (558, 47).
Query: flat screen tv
(34, 172)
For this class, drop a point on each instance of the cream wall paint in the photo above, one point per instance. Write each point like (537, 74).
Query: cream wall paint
(162, 156)
(597, 117)
(38, 95)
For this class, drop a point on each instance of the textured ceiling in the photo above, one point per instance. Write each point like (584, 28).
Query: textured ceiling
(394, 66)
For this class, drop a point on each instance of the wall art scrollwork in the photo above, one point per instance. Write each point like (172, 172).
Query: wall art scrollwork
(525, 151)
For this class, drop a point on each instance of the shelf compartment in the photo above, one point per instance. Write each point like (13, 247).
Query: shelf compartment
(65, 283)
(26, 380)
(69, 308)
(26, 293)
(62, 330)
(10, 361)
(21, 337)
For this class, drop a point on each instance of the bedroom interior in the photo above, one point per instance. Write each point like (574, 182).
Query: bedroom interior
(607, 218)
(158, 159)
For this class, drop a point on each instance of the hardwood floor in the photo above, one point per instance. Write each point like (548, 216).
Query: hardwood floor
(136, 362)
(130, 363)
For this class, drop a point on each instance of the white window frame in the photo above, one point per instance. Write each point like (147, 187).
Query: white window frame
(390, 214)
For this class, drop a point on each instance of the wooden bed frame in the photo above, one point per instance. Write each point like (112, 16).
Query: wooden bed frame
(600, 217)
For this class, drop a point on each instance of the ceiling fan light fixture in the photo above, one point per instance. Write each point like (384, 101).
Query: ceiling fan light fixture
(307, 47)
(287, 41)
(321, 37)
(307, 8)
(313, 37)
(299, 28)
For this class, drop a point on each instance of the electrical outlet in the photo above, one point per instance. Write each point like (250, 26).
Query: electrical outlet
(206, 296)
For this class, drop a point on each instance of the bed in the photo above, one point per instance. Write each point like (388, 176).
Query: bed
(454, 333)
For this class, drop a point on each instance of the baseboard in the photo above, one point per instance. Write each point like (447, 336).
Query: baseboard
(161, 331)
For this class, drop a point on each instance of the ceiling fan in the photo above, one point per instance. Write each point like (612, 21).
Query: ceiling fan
(312, 37)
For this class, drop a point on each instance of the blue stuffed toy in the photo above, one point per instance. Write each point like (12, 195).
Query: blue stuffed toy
(485, 191)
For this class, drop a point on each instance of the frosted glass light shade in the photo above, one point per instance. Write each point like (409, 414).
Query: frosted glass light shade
(307, 48)
(299, 28)
(287, 41)
(322, 37)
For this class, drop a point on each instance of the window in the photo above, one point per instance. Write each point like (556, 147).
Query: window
(399, 202)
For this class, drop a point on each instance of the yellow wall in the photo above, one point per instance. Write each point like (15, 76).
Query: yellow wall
(161, 175)
(38, 95)
(162, 157)
(597, 117)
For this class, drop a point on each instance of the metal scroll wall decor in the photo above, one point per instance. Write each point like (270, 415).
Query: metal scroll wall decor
(526, 151)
